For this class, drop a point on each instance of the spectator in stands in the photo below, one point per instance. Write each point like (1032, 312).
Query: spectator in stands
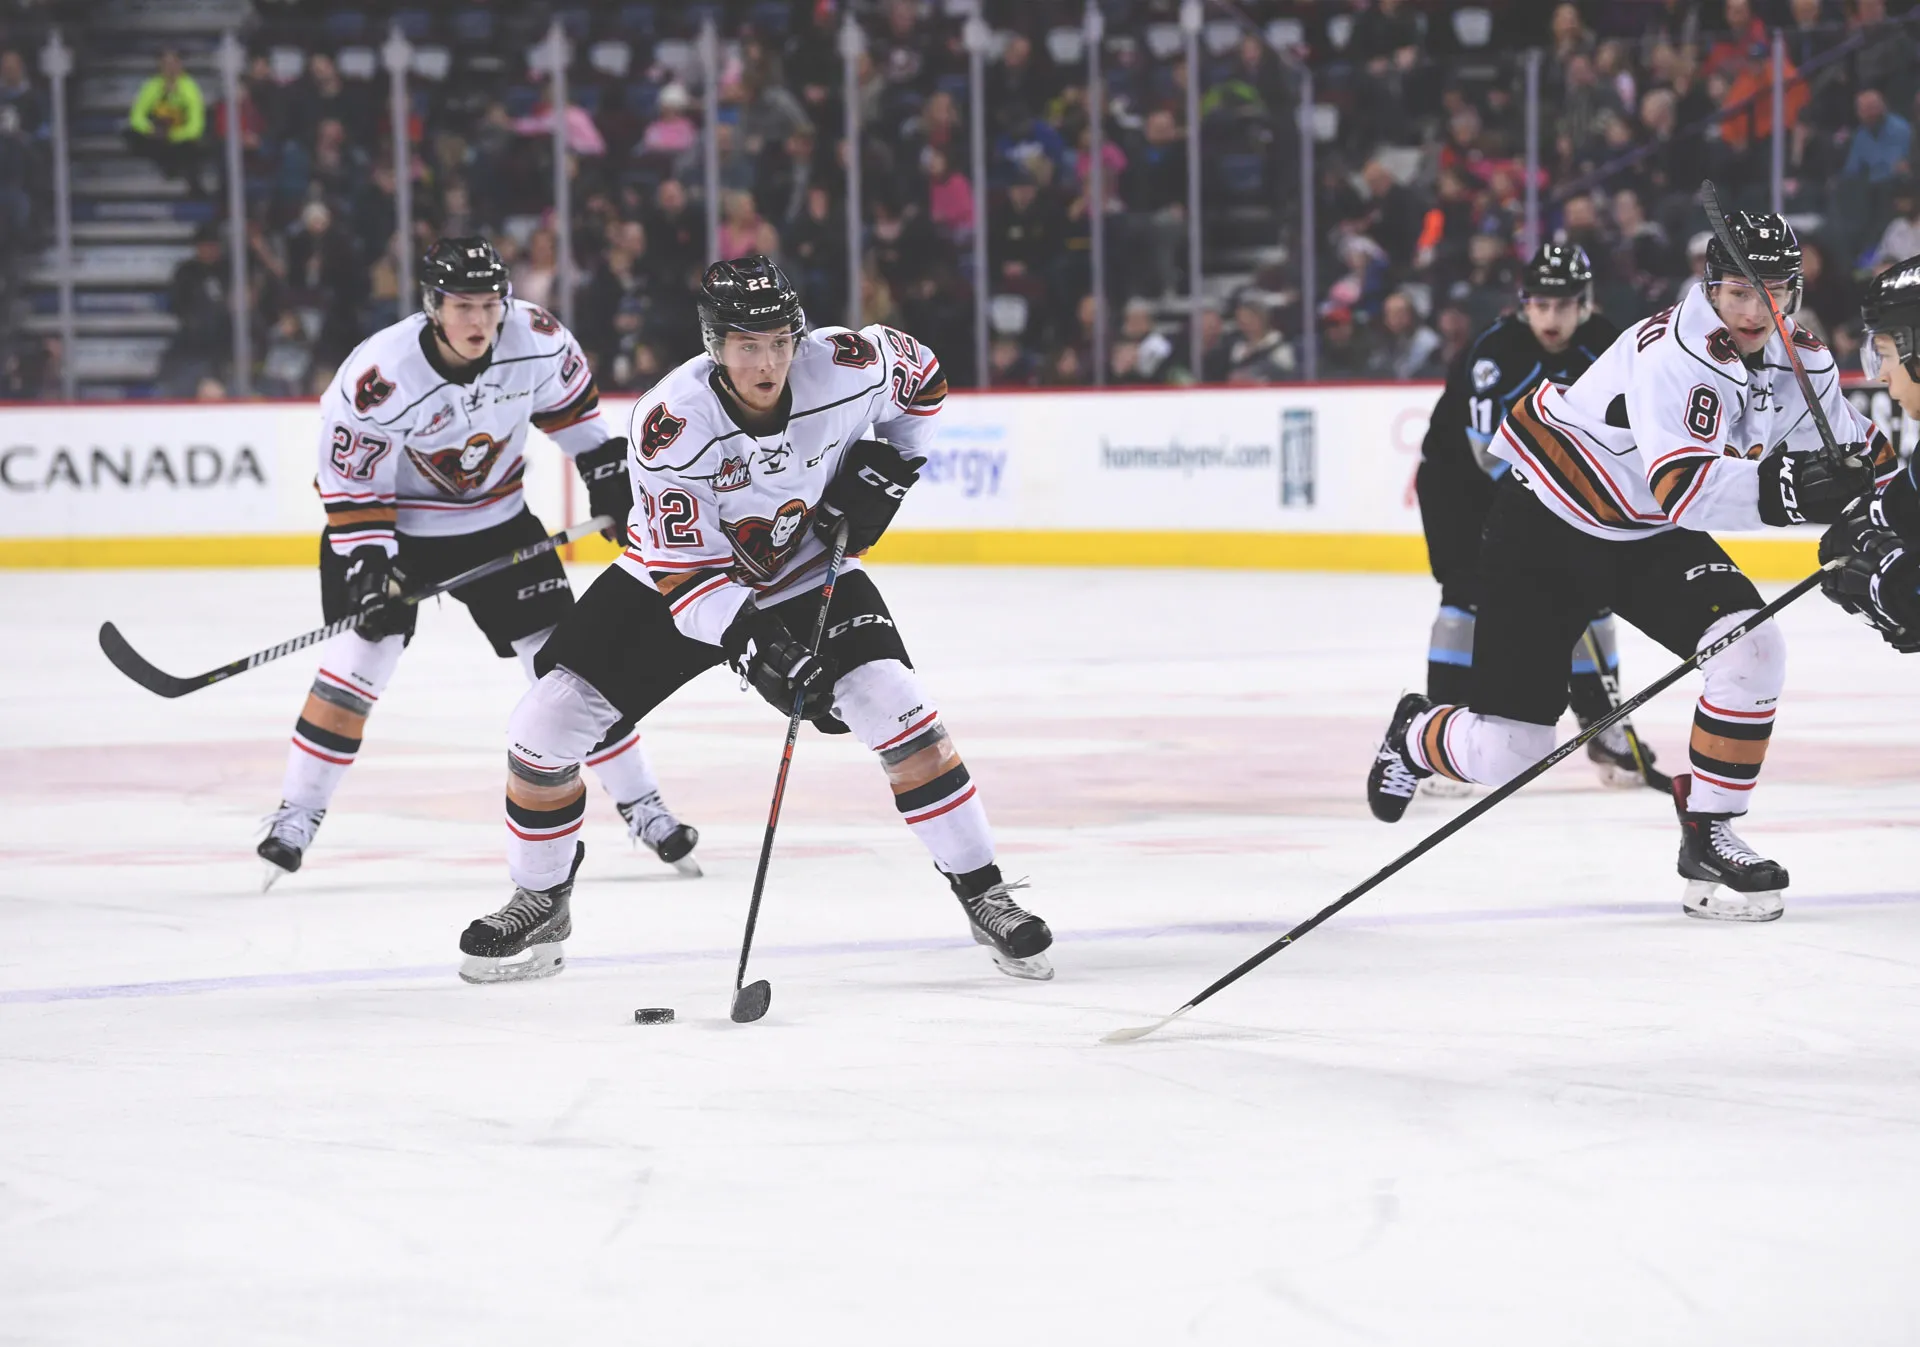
(1456, 334)
(815, 245)
(1393, 214)
(949, 197)
(324, 277)
(1009, 365)
(1067, 369)
(1571, 36)
(1642, 265)
(321, 94)
(198, 298)
(537, 277)
(1901, 238)
(17, 92)
(677, 236)
(1881, 143)
(673, 135)
(1830, 302)
(285, 368)
(1156, 194)
(1885, 58)
(1257, 354)
(1344, 348)
(16, 184)
(742, 231)
(1408, 348)
(168, 121)
(1487, 288)
(785, 174)
(1584, 100)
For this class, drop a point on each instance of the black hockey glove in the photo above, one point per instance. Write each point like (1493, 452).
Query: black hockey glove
(373, 585)
(609, 489)
(866, 492)
(762, 651)
(1811, 488)
(1880, 580)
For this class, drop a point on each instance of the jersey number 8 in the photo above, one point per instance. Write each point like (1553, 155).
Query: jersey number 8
(1703, 413)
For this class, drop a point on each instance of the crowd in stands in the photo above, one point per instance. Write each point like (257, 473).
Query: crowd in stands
(1419, 169)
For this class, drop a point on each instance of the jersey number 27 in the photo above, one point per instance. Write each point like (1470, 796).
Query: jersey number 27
(356, 456)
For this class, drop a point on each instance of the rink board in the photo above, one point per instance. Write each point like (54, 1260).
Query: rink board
(1301, 478)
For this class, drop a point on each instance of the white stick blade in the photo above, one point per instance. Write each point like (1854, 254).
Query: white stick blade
(1133, 1033)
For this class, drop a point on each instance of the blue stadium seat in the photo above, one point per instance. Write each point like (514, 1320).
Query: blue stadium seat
(473, 26)
(417, 24)
(642, 98)
(586, 96)
(772, 16)
(346, 25)
(576, 22)
(521, 99)
(636, 20)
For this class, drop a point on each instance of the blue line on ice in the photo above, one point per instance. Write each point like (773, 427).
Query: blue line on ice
(331, 976)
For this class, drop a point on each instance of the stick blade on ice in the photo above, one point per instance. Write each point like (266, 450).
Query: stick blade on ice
(1134, 1033)
(751, 1001)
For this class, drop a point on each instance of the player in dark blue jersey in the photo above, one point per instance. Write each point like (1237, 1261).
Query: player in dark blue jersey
(1554, 336)
(1881, 539)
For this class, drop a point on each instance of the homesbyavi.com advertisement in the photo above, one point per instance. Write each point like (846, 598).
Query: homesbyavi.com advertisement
(1201, 459)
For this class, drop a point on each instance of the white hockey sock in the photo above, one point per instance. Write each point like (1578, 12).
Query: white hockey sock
(1466, 746)
(1733, 720)
(326, 739)
(884, 705)
(624, 770)
(553, 727)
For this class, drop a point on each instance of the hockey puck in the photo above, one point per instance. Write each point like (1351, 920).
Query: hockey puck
(654, 1015)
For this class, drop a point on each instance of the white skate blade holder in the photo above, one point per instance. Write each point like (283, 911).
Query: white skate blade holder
(537, 961)
(687, 867)
(1714, 902)
(1033, 968)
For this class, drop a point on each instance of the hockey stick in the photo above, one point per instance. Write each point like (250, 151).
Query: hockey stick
(135, 666)
(1717, 221)
(1610, 682)
(750, 1003)
(1454, 825)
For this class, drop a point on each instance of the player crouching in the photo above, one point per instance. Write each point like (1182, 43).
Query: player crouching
(1880, 539)
(746, 459)
(421, 443)
(1691, 421)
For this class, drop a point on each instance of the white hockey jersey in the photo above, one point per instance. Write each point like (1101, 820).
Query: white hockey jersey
(1665, 430)
(722, 517)
(406, 446)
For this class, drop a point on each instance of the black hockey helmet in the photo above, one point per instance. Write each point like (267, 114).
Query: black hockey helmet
(461, 266)
(1891, 307)
(1768, 243)
(1558, 271)
(747, 294)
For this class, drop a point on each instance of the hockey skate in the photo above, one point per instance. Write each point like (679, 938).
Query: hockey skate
(290, 830)
(649, 823)
(1016, 938)
(526, 938)
(1439, 787)
(1393, 778)
(1612, 757)
(1726, 879)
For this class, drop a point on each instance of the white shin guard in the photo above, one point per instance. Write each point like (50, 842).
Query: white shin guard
(1733, 720)
(353, 673)
(553, 728)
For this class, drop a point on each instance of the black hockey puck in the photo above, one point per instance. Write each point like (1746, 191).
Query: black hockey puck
(654, 1015)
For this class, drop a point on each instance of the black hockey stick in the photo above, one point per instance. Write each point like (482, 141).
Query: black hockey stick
(1717, 221)
(750, 1003)
(1454, 825)
(1610, 682)
(135, 666)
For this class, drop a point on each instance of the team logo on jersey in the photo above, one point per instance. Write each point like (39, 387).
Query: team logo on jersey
(764, 545)
(853, 350)
(370, 390)
(1806, 341)
(458, 470)
(438, 419)
(1486, 373)
(1720, 346)
(660, 429)
(732, 476)
(541, 321)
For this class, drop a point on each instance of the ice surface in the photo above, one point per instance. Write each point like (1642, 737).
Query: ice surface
(1512, 1097)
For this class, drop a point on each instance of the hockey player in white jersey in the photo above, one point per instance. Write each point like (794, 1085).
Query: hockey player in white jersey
(1691, 421)
(422, 438)
(744, 460)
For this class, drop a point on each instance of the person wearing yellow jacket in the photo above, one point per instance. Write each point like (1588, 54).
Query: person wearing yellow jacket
(168, 122)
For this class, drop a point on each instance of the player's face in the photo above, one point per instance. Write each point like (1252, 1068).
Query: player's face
(1883, 362)
(1553, 320)
(471, 322)
(757, 365)
(1744, 310)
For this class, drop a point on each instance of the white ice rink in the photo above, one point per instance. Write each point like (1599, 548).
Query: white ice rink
(1512, 1097)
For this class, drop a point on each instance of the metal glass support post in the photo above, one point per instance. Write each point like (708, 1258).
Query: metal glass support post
(710, 128)
(396, 55)
(1191, 16)
(1095, 28)
(853, 45)
(1779, 121)
(231, 57)
(558, 53)
(1530, 233)
(1309, 237)
(56, 62)
(978, 38)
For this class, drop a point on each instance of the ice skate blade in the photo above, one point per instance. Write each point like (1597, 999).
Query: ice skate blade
(270, 875)
(1034, 968)
(1614, 777)
(687, 867)
(1437, 787)
(1708, 901)
(540, 961)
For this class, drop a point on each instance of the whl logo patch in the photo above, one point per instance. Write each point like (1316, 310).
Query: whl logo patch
(764, 545)
(732, 476)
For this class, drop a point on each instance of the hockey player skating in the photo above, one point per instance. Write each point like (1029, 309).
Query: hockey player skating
(744, 459)
(421, 442)
(1554, 337)
(1881, 540)
(1690, 421)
